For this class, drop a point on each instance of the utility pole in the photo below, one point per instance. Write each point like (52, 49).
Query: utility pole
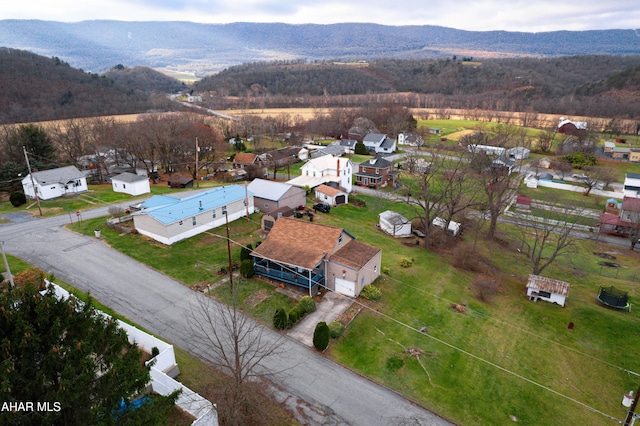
(197, 153)
(6, 266)
(246, 201)
(226, 215)
(632, 411)
(33, 184)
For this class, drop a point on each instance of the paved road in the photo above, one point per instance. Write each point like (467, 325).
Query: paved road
(321, 391)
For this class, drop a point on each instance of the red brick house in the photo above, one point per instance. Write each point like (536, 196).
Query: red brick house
(375, 173)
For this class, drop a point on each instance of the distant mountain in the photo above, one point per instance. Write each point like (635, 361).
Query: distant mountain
(97, 46)
(37, 88)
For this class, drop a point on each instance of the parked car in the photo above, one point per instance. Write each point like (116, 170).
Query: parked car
(322, 207)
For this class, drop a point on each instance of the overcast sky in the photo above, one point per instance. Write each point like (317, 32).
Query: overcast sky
(475, 15)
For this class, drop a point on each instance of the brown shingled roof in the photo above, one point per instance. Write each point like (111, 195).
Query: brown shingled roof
(244, 158)
(298, 243)
(328, 190)
(354, 254)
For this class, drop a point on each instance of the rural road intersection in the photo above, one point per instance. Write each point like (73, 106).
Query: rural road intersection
(320, 391)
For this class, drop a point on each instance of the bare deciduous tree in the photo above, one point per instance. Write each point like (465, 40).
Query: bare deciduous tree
(235, 344)
(547, 234)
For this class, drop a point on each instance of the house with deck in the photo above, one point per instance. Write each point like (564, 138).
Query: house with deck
(334, 172)
(309, 256)
(169, 219)
(54, 183)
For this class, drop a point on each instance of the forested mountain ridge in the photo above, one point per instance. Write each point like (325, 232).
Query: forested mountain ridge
(35, 88)
(593, 85)
(97, 46)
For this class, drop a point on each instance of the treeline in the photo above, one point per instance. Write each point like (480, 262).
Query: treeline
(579, 85)
(35, 88)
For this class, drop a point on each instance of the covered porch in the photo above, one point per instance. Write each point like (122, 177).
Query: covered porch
(309, 279)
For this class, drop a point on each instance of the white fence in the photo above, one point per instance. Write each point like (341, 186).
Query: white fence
(189, 401)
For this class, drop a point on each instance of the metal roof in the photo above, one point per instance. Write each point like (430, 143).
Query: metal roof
(167, 210)
(268, 189)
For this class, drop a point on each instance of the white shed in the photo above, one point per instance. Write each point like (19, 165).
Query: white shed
(453, 228)
(131, 184)
(547, 289)
(395, 224)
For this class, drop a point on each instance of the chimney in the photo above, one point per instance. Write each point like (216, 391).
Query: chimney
(338, 167)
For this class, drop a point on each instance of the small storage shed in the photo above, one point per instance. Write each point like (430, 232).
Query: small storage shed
(268, 219)
(547, 289)
(131, 184)
(395, 224)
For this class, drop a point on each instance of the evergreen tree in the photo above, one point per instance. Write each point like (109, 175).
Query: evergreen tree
(321, 336)
(63, 353)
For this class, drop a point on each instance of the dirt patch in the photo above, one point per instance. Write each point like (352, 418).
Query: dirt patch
(257, 298)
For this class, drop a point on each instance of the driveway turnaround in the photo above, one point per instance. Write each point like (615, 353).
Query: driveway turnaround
(318, 390)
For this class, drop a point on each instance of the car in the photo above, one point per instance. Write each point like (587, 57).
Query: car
(322, 207)
(579, 176)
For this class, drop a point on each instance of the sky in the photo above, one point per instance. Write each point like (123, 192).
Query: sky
(472, 15)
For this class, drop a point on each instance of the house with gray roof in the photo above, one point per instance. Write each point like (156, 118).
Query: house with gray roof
(269, 195)
(131, 183)
(54, 183)
(169, 219)
(379, 143)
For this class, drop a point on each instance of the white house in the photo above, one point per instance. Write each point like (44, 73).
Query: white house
(487, 149)
(335, 172)
(54, 183)
(131, 184)
(395, 224)
(547, 289)
(379, 143)
(631, 185)
(169, 219)
(410, 139)
(519, 153)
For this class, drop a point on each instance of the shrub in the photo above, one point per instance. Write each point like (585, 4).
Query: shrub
(406, 262)
(484, 287)
(244, 253)
(155, 352)
(306, 305)
(386, 270)
(17, 199)
(246, 268)
(321, 336)
(115, 211)
(371, 292)
(395, 363)
(335, 329)
(280, 319)
(294, 315)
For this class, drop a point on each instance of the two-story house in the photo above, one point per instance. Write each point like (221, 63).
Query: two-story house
(328, 170)
(379, 143)
(375, 173)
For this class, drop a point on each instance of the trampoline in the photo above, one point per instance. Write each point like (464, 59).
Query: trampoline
(614, 298)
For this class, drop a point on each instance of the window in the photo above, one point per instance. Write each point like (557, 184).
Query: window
(544, 294)
(266, 205)
(124, 186)
(193, 221)
(340, 239)
(213, 213)
(224, 209)
(375, 268)
(362, 281)
(180, 223)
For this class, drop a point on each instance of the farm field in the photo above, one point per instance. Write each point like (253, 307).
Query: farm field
(486, 362)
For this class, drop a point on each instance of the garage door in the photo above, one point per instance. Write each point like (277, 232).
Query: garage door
(340, 199)
(345, 287)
